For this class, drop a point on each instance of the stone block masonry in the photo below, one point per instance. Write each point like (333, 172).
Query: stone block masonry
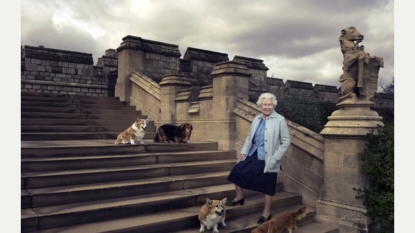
(64, 72)
(53, 71)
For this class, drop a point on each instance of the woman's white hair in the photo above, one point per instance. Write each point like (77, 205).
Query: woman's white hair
(267, 96)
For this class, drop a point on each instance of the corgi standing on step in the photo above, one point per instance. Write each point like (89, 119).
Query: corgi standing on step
(211, 214)
(134, 133)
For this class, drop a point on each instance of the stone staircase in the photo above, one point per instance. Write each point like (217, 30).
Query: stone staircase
(75, 118)
(74, 179)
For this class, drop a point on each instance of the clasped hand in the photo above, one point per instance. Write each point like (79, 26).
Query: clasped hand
(242, 157)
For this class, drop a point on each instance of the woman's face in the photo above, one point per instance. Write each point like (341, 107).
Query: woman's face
(267, 106)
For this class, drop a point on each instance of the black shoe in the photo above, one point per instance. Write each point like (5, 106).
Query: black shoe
(262, 219)
(233, 202)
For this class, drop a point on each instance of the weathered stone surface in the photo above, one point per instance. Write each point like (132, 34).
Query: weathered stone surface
(61, 72)
(42, 53)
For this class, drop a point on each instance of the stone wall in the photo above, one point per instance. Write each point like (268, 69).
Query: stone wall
(158, 59)
(151, 58)
(109, 65)
(197, 64)
(109, 61)
(53, 71)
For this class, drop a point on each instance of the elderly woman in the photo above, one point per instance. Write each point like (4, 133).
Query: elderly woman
(260, 158)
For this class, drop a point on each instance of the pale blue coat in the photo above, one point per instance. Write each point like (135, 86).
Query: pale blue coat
(277, 140)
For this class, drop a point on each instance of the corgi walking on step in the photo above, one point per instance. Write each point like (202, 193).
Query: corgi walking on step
(281, 222)
(134, 133)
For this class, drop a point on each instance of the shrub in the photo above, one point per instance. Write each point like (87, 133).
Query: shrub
(378, 165)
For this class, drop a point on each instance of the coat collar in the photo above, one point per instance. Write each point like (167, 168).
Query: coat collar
(274, 114)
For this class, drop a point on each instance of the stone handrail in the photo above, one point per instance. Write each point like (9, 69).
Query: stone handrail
(145, 95)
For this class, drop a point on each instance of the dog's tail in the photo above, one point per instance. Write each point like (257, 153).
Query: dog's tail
(156, 137)
(301, 213)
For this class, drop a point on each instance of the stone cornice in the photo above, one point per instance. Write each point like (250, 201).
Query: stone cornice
(230, 68)
(42, 53)
(149, 46)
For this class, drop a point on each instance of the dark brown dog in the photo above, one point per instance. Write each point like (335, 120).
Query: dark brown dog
(171, 133)
(281, 222)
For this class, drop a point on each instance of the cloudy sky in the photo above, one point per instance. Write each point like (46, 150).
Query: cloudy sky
(296, 39)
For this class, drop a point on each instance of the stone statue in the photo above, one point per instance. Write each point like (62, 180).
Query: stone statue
(356, 82)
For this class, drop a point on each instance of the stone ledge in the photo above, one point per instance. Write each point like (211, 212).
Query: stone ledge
(43, 53)
(41, 82)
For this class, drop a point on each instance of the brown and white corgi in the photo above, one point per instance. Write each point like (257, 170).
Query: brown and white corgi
(211, 214)
(134, 133)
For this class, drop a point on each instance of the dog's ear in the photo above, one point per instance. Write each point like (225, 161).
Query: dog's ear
(224, 200)
(208, 202)
(191, 127)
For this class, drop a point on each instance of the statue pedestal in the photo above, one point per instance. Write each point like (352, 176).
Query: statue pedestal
(353, 118)
(345, 139)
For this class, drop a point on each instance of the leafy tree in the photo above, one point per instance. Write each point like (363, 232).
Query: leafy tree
(389, 89)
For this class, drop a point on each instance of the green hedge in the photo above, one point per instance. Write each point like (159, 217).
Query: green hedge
(378, 165)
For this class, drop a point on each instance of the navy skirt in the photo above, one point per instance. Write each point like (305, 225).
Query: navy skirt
(249, 174)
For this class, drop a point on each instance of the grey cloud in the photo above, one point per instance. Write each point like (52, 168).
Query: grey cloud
(289, 29)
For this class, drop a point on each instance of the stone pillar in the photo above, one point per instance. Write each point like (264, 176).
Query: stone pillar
(169, 86)
(230, 82)
(130, 57)
(345, 140)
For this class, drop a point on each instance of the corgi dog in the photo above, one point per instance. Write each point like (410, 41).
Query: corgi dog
(280, 222)
(211, 214)
(134, 133)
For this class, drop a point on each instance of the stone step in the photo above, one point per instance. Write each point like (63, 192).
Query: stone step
(179, 211)
(69, 98)
(55, 99)
(94, 122)
(81, 128)
(87, 116)
(117, 160)
(41, 197)
(244, 224)
(317, 227)
(95, 102)
(108, 109)
(46, 136)
(80, 148)
(97, 175)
